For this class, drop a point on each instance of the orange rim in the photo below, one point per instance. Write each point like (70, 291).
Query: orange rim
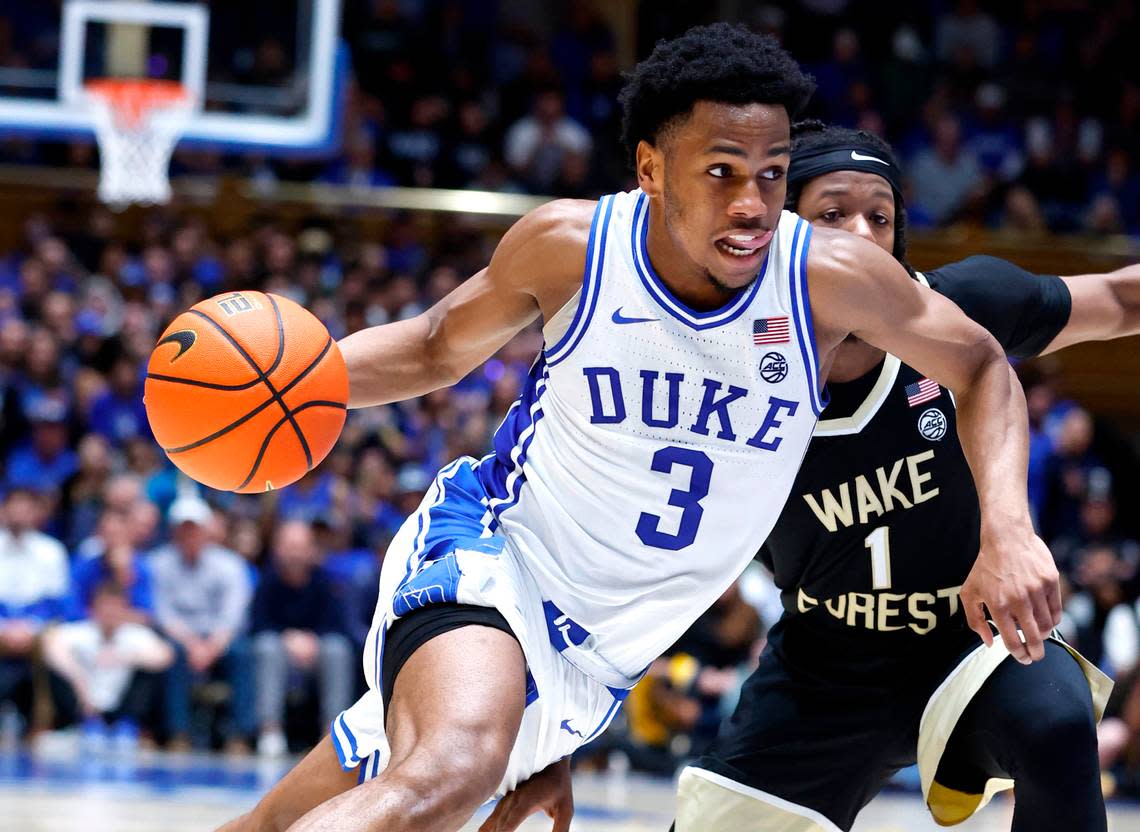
(133, 98)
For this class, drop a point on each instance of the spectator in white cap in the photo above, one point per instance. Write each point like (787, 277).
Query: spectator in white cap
(201, 594)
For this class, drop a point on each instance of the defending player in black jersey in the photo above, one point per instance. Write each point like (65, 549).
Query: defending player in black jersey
(872, 665)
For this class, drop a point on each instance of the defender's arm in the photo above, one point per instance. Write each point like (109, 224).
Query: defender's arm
(540, 260)
(858, 288)
(1105, 306)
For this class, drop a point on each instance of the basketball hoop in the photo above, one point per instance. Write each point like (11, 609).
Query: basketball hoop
(137, 123)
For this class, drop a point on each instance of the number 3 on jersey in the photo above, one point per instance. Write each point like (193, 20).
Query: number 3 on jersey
(648, 525)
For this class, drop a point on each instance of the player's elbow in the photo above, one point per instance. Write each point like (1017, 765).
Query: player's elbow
(441, 365)
(982, 356)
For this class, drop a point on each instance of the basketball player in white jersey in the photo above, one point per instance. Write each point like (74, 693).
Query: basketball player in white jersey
(649, 451)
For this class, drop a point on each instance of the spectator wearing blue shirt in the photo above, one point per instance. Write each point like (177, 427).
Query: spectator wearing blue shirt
(314, 495)
(117, 413)
(33, 592)
(119, 564)
(45, 461)
(298, 624)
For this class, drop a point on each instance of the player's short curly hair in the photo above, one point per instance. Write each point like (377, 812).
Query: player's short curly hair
(721, 62)
(812, 134)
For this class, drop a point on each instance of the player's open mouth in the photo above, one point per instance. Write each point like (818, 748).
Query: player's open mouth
(744, 244)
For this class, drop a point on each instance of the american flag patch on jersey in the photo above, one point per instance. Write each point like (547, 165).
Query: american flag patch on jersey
(921, 391)
(770, 331)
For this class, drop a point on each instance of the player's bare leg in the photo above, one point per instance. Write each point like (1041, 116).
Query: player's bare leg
(317, 778)
(456, 708)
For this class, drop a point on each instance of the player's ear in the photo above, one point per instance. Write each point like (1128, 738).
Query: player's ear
(650, 168)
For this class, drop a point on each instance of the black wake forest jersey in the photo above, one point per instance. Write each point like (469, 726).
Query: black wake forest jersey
(882, 525)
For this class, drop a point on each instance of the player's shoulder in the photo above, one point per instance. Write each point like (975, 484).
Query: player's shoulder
(545, 251)
(559, 224)
(838, 254)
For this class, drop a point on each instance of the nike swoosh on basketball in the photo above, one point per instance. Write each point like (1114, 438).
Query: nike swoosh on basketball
(184, 338)
(859, 157)
(619, 318)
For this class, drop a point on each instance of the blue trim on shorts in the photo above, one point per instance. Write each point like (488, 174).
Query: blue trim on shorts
(346, 759)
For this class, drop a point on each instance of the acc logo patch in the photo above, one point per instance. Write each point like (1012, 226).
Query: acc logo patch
(184, 338)
(773, 367)
(932, 424)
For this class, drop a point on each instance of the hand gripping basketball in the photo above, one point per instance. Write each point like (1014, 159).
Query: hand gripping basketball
(246, 392)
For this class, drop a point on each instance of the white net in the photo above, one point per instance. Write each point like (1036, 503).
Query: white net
(137, 124)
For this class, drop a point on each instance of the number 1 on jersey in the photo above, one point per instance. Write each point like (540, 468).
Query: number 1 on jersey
(879, 542)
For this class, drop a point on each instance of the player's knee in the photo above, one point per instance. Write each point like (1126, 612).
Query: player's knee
(463, 775)
(1061, 724)
(478, 760)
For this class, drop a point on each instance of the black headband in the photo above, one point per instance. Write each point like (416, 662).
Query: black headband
(816, 161)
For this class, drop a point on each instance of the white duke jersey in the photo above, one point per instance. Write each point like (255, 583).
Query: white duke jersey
(654, 445)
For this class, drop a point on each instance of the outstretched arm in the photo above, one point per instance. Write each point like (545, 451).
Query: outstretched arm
(858, 288)
(1105, 306)
(539, 261)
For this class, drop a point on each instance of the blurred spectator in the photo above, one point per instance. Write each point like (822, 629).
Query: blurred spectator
(1119, 186)
(415, 148)
(1052, 179)
(1067, 475)
(968, 30)
(82, 499)
(993, 138)
(119, 564)
(359, 167)
(201, 594)
(1096, 527)
(943, 177)
(836, 76)
(298, 625)
(470, 147)
(45, 461)
(317, 494)
(537, 145)
(105, 669)
(676, 710)
(1099, 618)
(34, 586)
(118, 413)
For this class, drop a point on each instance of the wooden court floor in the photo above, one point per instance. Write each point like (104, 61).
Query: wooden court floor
(193, 793)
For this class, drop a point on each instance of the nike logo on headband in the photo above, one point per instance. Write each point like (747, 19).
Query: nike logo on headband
(859, 157)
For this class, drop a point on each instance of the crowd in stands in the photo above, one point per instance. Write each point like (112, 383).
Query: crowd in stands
(1022, 115)
(143, 609)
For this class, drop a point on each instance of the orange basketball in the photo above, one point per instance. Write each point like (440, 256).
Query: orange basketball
(246, 392)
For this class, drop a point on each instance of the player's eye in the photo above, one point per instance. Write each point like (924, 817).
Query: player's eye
(881, 219)
(772, 174)
(720, 171)
(831, 215)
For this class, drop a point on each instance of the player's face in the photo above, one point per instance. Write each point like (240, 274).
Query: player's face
(854, 201)
(720, 179)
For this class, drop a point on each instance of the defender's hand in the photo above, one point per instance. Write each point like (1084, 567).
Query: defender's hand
(1016, 579)
(549, 791)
